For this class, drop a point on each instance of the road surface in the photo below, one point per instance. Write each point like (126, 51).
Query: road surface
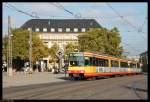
(125, 87)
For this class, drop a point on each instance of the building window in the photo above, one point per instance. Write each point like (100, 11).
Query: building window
(67, 29)
(49, 23)
(46, 44)
(83, 30)
(75, 29)
(91, 23)
(52, 29)
(59, 29)
(44, 29)
(37, 30)
(75, 43)
(29, 29)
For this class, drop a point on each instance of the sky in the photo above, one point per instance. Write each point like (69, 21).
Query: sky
(130, 18)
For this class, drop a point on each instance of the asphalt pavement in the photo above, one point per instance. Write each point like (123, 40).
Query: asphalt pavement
(21, 78)
(124, 88)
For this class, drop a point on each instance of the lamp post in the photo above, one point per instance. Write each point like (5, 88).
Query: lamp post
(30, 49)
(10, 35)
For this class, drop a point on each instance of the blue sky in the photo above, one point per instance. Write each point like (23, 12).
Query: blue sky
(136, 13)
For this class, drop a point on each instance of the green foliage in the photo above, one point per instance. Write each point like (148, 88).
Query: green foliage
(4, 47)
(20, 48)
(20, 44)
(101, 41)
(52, 51)
(70, 48)
(39, 50)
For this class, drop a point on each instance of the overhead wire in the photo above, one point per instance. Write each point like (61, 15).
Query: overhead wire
(58, 5)
(141, 28)
(126, 22)
(122, 17)
(21, 11)
(131, 47)
(62, 7)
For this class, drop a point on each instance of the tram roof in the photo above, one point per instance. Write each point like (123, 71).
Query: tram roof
(90, 54)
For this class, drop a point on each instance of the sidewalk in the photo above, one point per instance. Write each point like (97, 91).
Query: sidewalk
(21, 79)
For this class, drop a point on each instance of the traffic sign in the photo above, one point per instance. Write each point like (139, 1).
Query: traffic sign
(60, 53)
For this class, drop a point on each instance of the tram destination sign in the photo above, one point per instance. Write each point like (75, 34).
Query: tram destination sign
(76, 54)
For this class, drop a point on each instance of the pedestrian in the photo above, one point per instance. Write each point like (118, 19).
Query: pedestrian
(37, 65)
(50, 68)
(4, 66)
(42, 66)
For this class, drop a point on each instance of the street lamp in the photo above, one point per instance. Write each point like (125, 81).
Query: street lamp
(30, 49)
(10, 35)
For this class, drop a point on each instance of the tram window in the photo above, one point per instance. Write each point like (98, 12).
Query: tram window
(132, 65)
(76, 63)
(106, 63)
(138, 65)
(73, 63)
(97, 61)
(103, 62)
(100, 62)
(87, 61)
(91, 61)
(114, 63)
(94, 61)
(124, 64)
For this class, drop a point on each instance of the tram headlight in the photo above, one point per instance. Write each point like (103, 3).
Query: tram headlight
(82, 71)
(68, 71)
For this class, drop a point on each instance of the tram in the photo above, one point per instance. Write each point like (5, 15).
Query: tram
(90, 65)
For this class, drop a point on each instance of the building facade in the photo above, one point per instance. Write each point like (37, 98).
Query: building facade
(144, 61)
(134, 58)
(60, 31)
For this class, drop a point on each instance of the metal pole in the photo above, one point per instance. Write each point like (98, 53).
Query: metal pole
(30, 49)
(147, 58)
(60, 64)
(9, 68)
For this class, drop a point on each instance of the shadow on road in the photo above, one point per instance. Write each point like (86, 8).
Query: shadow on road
(137, 91)
(77, 79)
(135, 88)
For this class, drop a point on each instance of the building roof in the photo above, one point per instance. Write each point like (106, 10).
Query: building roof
(144, 53)
(61, 23)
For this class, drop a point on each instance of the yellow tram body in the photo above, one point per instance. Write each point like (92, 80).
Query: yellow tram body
(87, 64)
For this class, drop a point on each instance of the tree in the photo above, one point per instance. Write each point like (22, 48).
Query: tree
(21, 45)
(39, 50)
(101, 41)
(4, 48)
(70, 48)
(20, 48)
(52, 52)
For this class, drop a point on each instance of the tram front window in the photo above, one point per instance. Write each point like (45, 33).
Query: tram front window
(76, 63)
(76, 60)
